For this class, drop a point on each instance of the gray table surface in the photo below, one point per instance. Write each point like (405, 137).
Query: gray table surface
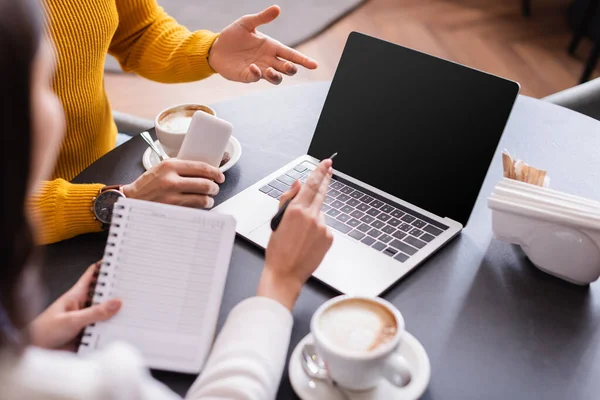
(493, 325)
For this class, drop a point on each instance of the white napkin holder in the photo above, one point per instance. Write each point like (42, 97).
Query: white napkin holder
(562, 241)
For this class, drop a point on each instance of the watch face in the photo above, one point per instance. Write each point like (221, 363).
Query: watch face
(104, 204)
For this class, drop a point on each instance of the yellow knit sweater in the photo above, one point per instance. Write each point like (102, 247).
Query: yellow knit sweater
(146, 41)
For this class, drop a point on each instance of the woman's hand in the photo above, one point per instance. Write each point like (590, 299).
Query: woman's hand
(178, 182)
(243, 54)
(59, 326)
(298, 246)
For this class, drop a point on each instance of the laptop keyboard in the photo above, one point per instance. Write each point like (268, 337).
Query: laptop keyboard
(372, 221)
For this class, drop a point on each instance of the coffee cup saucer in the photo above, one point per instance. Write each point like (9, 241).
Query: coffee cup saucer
(234, 148)
(412, 350)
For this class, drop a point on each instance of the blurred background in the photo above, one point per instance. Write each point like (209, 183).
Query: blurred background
(545, 45)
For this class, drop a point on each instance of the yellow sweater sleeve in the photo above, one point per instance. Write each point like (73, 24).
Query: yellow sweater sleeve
(152, 44)
(62, 210)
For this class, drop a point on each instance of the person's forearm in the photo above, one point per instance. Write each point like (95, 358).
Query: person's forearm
(284, 290)
(249, 355)
(152, 44)
(61, 210)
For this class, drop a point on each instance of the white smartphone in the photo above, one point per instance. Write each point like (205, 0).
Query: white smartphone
(206, 139)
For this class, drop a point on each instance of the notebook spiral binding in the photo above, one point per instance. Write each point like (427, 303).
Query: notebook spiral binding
(101, 290)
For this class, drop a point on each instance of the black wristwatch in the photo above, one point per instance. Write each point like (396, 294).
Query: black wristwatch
(103, 204)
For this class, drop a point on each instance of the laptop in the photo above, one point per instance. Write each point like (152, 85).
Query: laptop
(415, 135)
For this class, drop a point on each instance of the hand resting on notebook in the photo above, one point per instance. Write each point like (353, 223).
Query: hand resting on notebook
(59, 326)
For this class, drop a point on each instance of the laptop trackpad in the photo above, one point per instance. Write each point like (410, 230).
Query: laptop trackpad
(262, 234)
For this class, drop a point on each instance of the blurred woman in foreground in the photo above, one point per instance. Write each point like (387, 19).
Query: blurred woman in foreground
(249, 354)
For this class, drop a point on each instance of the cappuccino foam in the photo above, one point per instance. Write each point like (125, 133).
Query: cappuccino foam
(358, 325)
(177, 122)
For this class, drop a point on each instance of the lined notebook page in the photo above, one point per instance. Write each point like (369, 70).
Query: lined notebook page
(169, 266)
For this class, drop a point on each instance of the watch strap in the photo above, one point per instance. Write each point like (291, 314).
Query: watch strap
(112, 187)
(106, 226)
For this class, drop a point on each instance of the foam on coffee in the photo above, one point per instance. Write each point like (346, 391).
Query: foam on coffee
(358, 325)
(178, 120)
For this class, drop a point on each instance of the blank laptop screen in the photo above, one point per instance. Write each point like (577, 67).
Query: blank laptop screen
(415, 126)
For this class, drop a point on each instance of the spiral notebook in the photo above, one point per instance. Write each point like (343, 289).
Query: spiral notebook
(169, 266)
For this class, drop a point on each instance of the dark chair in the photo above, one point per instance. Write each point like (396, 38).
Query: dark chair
(584, 98)
(526, 8)
(130, 124)
(586, 25)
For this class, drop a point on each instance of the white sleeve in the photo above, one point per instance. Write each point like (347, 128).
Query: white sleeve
(245, 364)
(249, 355)
(116, 373)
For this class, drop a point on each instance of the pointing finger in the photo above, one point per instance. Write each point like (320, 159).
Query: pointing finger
(296, 57)
(317, 202)
(313, 184)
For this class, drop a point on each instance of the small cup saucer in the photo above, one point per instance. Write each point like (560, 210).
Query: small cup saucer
(234, 148)
(412, 350)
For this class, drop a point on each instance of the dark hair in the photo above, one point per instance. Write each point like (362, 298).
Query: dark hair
(20, 37)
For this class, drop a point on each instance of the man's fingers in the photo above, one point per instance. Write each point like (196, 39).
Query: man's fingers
(99, 312)
(273, 76)
(191, 200)
(196, 186)
(252, 21)
(312, 185)
(196, 169)
(296, 57)
(290, 194)
(317, 202)
(285, 67)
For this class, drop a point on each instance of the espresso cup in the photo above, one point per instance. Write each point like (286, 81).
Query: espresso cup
(358, 339)
(172, 124)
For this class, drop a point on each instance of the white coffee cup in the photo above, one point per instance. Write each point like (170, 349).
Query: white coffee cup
(171, 125)
(357, 355)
